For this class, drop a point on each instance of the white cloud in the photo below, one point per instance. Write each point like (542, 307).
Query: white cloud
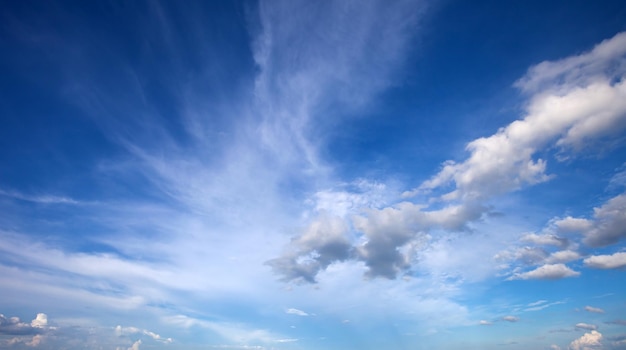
(614, 261)
(42, 198)
(575, 70)
(546, 239)
(567, 109)
(35, 341)
(563, 256)
(484, 323)
(537, 303)
(570, 224)
(589, 341)
(296, 312)
(594, 309)
(14, 326)
(323, 242)
(555, 347)
(609, 223)
(121, 331)
(135, 345)
(587, 326)
(510, 318)
(41, 321)
(548, 271)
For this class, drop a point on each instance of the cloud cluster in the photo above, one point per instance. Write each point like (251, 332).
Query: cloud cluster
(573, 101)
(13, 325)
(589, 341)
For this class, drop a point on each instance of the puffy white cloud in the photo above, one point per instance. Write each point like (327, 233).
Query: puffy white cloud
(563, 256)
(589, 341)
(575, 100)
(587, 326)
(594, 309)
(570, 224)
(41, 321)
(545, 239)
(296, 312)
(484, 323)
(614, 261)
(547, 272)
(510, 318)
(135, 345)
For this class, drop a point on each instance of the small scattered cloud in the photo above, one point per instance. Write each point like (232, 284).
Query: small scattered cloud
(563, 256)
(293, 311)
(588, 341)
(288, 340)
(123, 331)
(615, 261)
(135, 345)
(617, 322)
(546, 239)
(510, 318)
(594, 309)
(586, 326)
(547, 272)
(485, 323)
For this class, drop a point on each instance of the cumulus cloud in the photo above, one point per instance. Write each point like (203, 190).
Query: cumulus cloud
(135, 345)
(546, 239)
(609, 223)
(574, 100)
(563, 256)
(296, 312)
(323, 242)
(510, 318)
(588, 341)
(389, 229)
(14, 326)
(614, 261)
(587, 326)
(547, 272)
(570, 225)
(594, 309)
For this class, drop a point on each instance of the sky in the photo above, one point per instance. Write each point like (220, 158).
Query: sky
(414, 174)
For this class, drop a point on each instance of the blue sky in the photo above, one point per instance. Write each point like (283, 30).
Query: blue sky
(313, 175)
